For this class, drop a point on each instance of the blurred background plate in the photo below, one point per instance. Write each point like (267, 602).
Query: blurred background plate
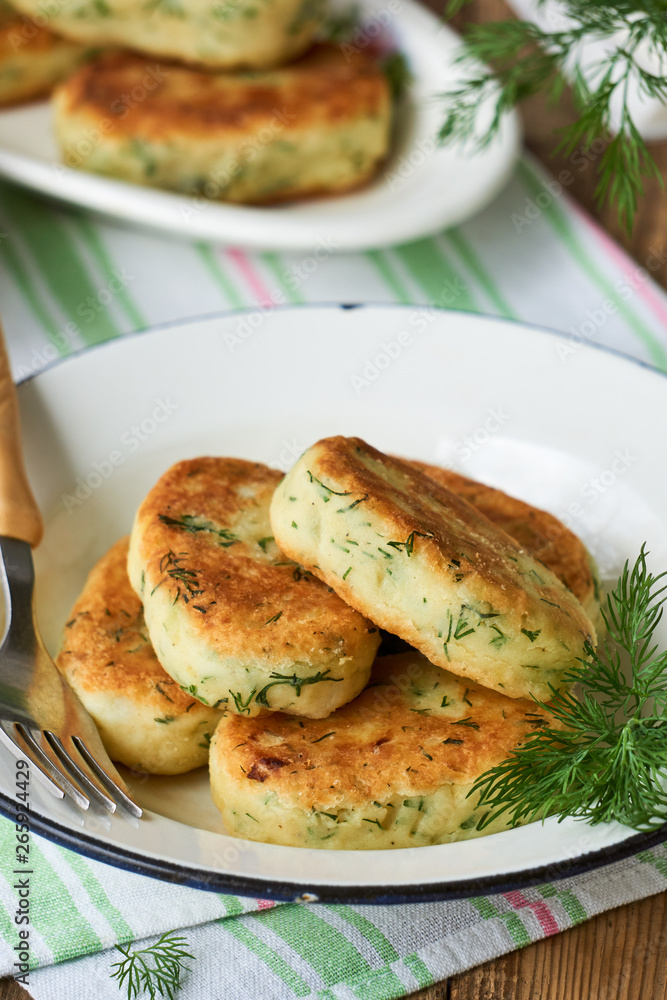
(419, 191)
(577, 436)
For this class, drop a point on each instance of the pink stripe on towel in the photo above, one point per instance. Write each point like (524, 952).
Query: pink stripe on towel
(252, 278)
(544, 915)
(625, 265)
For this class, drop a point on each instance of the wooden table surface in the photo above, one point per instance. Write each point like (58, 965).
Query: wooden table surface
(622, 954)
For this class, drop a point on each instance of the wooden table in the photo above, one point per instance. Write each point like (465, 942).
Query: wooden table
(622, 954)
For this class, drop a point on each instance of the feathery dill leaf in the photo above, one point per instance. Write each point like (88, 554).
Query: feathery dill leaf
(155, 970)
(528, 60)
(609, 762)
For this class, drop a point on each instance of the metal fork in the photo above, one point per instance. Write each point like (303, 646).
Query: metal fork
(41, 718)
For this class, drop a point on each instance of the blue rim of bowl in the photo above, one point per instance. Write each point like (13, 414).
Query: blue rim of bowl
(219, 314)
(290, 892)
(164, 869)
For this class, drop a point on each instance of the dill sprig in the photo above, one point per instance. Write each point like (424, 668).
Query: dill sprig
(609, 759)
(396, 69)
(155, 970)
(292, 680)
(528, 59)
(340, 25)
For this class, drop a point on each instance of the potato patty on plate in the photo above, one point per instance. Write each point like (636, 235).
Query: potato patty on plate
(232, 620)
(318, 126)
(426, 565)
(392, 769)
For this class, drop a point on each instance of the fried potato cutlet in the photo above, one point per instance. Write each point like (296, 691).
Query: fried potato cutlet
(426, 565)
(391, 769)
(219, 34)
(145, 720)
(540, 533)
(318, 126)
(231, 619)
(32, 59)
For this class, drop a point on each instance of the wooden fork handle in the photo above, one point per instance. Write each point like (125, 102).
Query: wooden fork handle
(19, 514)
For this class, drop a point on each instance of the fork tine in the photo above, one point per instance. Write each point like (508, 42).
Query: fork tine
(81, 742)
(39, 752)
(20, 752)
(37, 755)
(88, 782)
(23, 743)
(106, 780)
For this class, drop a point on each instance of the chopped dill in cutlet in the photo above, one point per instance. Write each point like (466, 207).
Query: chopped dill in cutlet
(194, 524)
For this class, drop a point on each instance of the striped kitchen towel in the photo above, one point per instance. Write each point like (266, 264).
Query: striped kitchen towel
(67, 282)
(248, 949)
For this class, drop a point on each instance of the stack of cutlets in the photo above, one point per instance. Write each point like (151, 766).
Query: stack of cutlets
(234, 100)
(255, 602)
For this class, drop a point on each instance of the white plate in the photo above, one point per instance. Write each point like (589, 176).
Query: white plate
(421, 190)
(577, 432)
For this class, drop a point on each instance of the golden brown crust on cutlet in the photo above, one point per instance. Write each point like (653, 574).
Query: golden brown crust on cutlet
(144, 718)
(542, 534)
(401, 503)
(428, 566)
(12, 39)
(237, 587)
(106, 645)
(32, 59)
(394, 768)
(321, 87)
(222, 602)
(378, 741)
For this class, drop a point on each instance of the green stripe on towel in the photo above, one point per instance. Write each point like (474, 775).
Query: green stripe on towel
(61, 266)
(431, 269)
